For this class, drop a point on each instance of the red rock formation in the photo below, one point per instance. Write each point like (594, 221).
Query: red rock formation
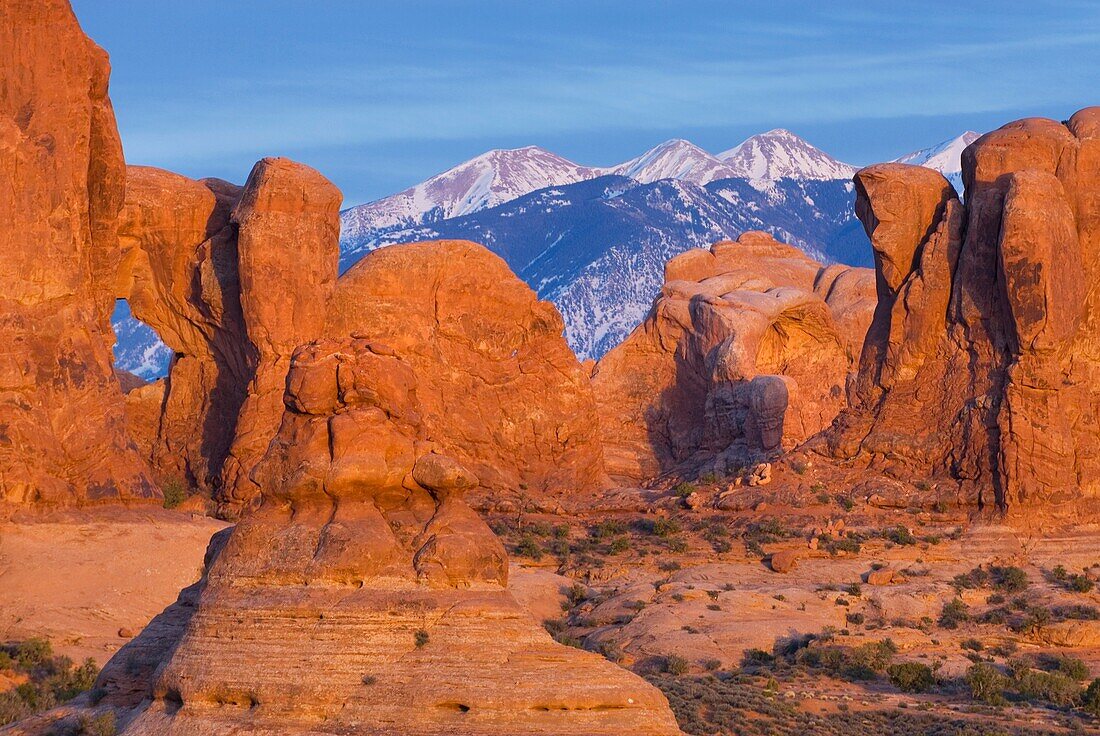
(746, 350)
(179, 274)
(288, 247)
(981, 366)
(63, 433)
(499, 386)
(364, 595)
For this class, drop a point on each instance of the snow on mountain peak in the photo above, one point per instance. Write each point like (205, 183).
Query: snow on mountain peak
(494, 177)
(945, 157)
(673, 159)
(780, 154)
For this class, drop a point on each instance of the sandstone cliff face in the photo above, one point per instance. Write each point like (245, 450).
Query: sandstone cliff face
(981, 364)
(364, 595)
(746, 350)
(63, 436)
(499, 386)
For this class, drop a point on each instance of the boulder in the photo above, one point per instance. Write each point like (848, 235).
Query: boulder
(63, 433)
(882, 576)
(364, 593)
(745, 352)
(783, 561)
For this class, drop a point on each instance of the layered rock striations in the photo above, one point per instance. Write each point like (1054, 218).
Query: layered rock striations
(364, 595)
(746, 351)
(981, 364)
(63, 434)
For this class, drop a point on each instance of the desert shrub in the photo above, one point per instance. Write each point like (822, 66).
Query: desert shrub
(1090, 699)
(677, 545)
(608, 529)
(954, 613)
(986, 683)
(1050, 687)
(757, 658)
(1009, 579)
(668, 565)
(1034, 619)
(899, 535)
(175, 493)
(712, 664)
(619, 544)
(577, 593)
(683, 490)
(973, 645)
(561, 531)
(664, 527)
(528, 547)
(855, 619)
(611, 651)
(911, 677)
(1077, 612)
(675, 665)
(845, 503)
(50, 679)
(1071, 667)
(421, 637)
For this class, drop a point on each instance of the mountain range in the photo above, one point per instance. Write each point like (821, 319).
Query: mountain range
(594, 240)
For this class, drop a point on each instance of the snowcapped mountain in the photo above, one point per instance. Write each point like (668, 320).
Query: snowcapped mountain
(594, 240)
(944, 157)
(675, 159)
(597, 248)
(485, 181)
(780, 154)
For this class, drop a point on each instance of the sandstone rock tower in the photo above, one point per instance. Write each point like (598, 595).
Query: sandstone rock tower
(982, 364)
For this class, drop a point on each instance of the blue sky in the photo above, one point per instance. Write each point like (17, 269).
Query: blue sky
(380, 95)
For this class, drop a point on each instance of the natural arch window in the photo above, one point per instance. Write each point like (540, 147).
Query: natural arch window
(138, 349)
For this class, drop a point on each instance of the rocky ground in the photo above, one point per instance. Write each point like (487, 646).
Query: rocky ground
(788, 610)
(691, 596)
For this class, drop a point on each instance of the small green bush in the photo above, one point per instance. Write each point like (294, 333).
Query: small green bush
(528, 547)
(683, 490)
(1090, 699)
(175, 493)
(1050, 687)
(954, 613)
(911, 677)
(100, 725)
(986, 683)
(899, 535)
(675, 665)
(664, 527)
